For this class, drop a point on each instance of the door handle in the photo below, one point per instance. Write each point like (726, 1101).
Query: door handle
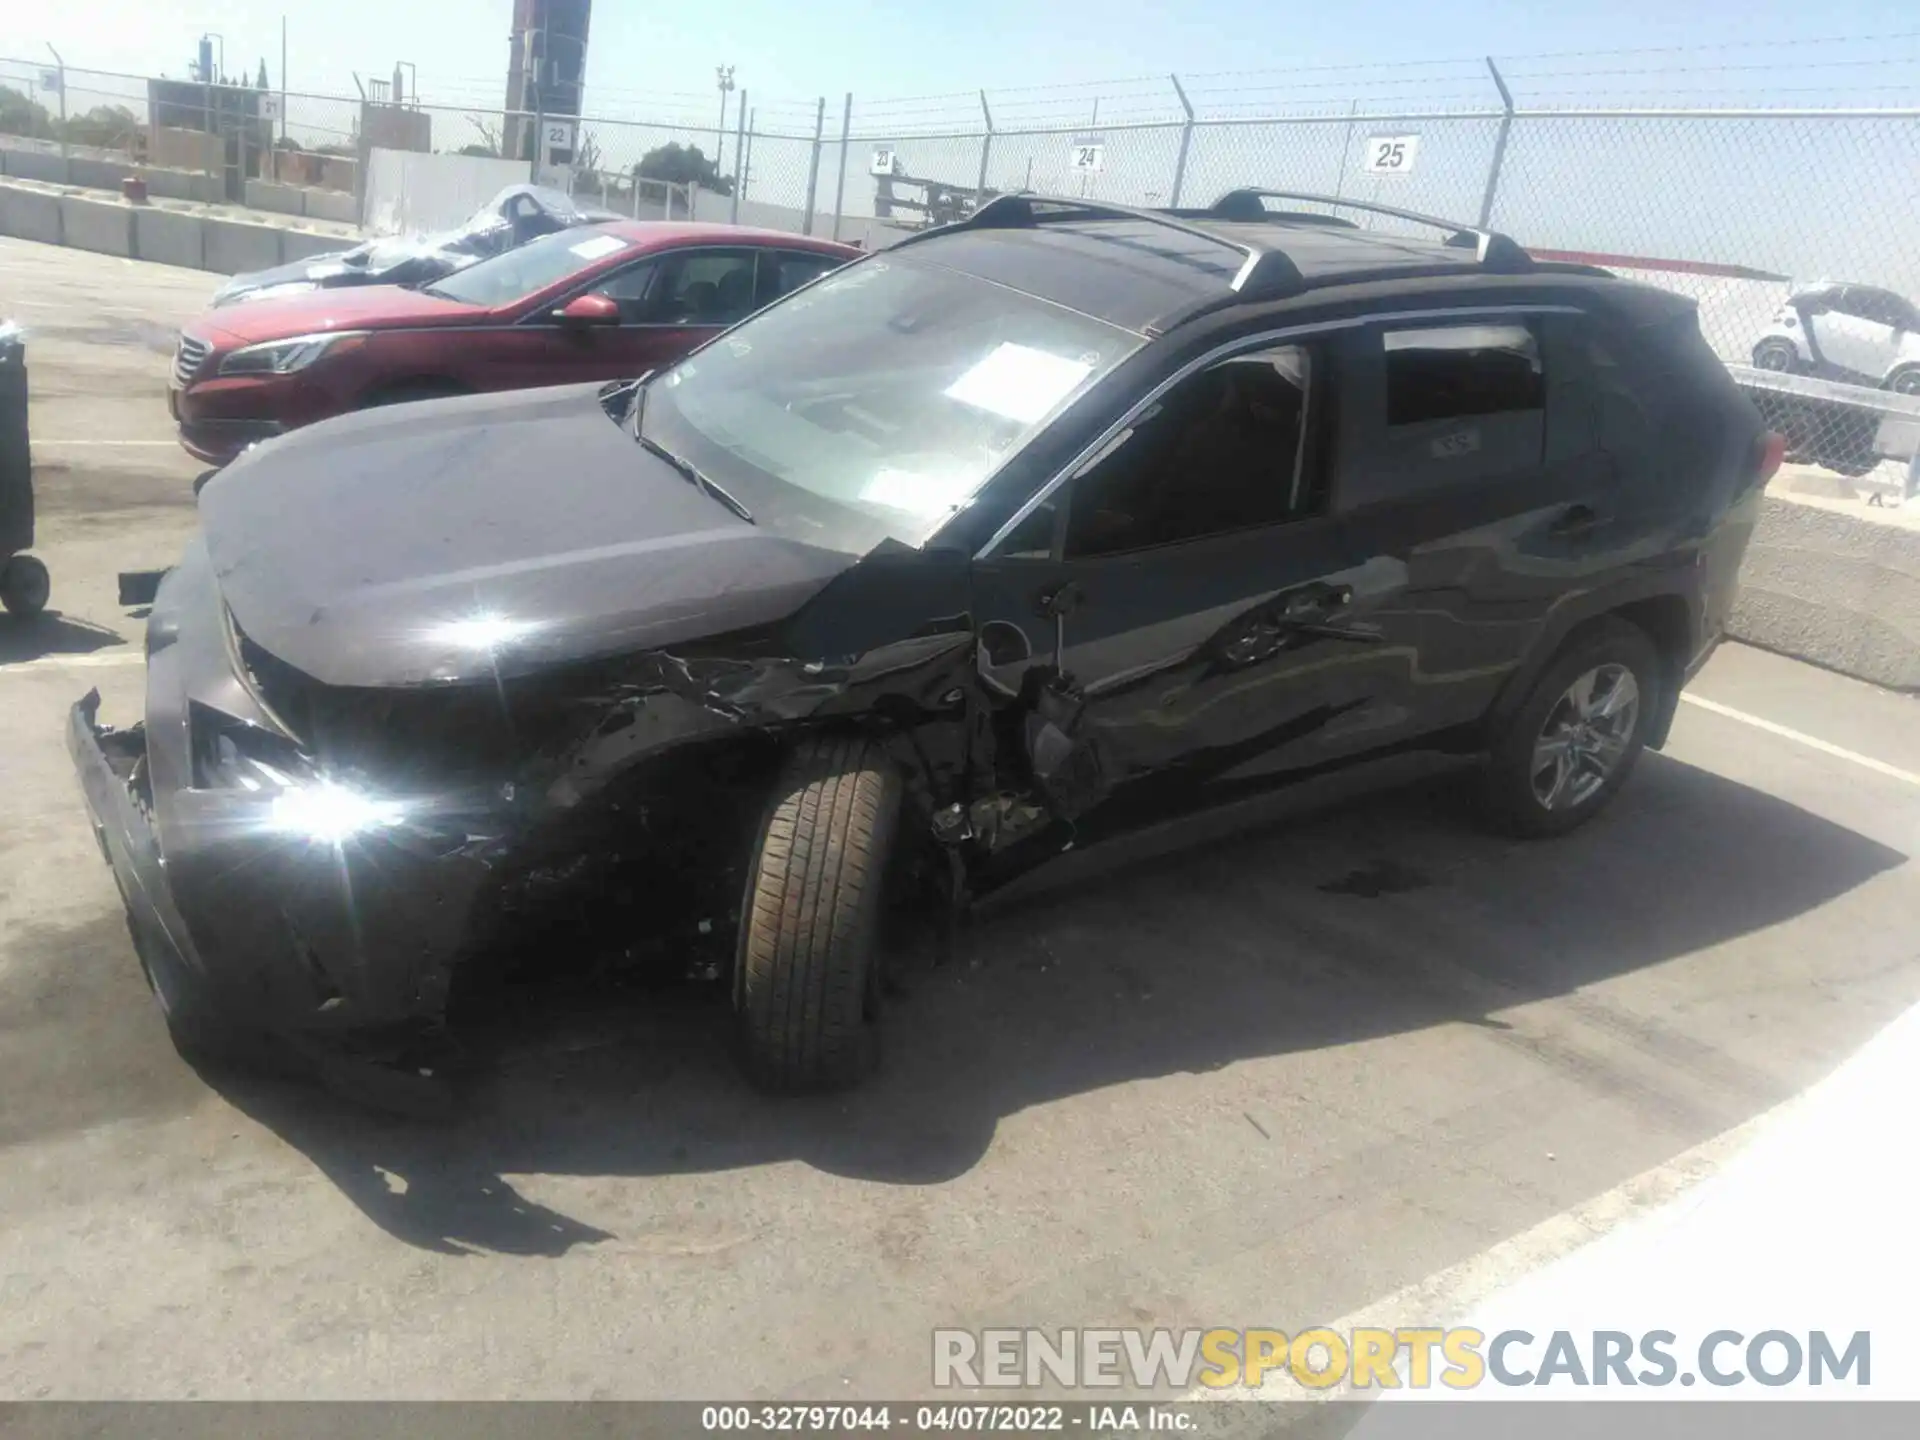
(1315, 603)
(1575, 520)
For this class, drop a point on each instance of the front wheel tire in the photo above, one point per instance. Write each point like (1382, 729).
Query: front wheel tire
(1578, 736)
(806, 975)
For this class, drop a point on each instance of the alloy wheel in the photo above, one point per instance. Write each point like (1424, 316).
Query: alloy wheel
(1586, 735)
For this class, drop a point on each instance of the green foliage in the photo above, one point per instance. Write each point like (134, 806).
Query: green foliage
(106, 127)
(683, 165)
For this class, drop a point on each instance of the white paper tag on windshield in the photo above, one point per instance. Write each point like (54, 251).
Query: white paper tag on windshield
(1019, 382)
(598, 245)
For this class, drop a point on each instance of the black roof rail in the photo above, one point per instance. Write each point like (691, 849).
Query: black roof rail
(1266, 274)
(1492, 250)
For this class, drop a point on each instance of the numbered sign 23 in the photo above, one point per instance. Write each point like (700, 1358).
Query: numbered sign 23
(1390, 154)
(882, 161)
(1088, 155)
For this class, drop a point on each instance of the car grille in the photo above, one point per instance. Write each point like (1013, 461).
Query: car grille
(188, 358)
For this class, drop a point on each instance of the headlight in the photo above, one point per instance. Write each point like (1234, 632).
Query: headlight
(299, 801)
(284, 357)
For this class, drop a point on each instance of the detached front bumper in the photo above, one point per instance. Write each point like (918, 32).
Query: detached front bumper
(302, 931)
(125, 834)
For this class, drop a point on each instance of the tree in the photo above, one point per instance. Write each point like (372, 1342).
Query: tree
(683, 165)
(20, 115)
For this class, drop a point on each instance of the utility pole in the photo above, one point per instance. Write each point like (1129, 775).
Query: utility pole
(724, 74)
(283, 82)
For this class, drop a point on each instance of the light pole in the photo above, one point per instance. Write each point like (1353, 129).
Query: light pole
(725, 75)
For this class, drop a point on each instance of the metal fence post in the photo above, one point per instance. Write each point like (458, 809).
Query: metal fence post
(1186, 141)
(813, 163)
(741, 136)
(840, 185)
(62, 72)
(1499, 145)
(986, 149)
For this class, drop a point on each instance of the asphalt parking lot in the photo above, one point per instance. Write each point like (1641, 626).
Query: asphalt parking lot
(1258, 1075)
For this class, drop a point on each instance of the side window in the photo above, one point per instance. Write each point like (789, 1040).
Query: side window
(1439, 406)
(1458, 372)
(1224, 450)
(785, 270)
(709, 287)
(629, 288)
(1877, 306)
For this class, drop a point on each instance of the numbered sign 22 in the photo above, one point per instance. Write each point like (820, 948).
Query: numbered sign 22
(1090, 156)
(1390, 154)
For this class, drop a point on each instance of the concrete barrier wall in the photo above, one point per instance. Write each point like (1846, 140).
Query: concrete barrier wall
(337, 205)
(168, 238)
(269, 195)
(102, 225)
(298, 244)
(34, 165)
(30, 214)
(232, 246)
(1834, 588)
(185, 185)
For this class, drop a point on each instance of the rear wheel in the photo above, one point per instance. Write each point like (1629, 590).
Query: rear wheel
(1776, 355)
(1578, 736)
(1905, 381)
(25, 586)
(806, 974)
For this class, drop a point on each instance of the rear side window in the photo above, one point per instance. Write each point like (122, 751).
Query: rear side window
(791, 269)
(1456, 371)
(1432, 407)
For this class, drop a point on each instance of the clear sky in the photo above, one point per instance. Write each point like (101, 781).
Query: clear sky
(660, 57)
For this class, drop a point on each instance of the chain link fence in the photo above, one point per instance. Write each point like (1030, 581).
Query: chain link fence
(1793, 230)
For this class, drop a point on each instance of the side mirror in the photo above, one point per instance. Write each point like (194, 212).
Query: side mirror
(588, 310)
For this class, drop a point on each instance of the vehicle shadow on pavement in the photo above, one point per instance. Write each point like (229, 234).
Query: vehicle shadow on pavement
(51, 634)
(1389, 915)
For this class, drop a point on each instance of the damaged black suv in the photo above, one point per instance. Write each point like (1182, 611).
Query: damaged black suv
(1007, 538)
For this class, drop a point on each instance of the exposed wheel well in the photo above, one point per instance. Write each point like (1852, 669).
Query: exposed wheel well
(1666, 621)
(1669, 624)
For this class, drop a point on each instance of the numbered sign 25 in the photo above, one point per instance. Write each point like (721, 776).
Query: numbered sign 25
(1390, 154)
(1088, 156)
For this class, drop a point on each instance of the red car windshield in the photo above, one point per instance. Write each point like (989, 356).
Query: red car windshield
(533, 267)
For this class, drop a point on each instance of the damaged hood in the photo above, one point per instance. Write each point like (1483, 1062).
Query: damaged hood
(484, 536)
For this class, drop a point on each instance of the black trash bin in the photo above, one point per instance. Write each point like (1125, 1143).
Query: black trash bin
(23, 580)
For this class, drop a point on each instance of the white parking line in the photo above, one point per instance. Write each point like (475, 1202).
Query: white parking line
(97, 660)
(63, 443)
(1812, 742)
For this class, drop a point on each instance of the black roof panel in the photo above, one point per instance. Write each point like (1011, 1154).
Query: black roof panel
(1126, 272)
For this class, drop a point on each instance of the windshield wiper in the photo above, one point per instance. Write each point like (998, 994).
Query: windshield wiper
(692, 475)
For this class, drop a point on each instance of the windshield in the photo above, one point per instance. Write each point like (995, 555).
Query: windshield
(534, 266)
(892, 389)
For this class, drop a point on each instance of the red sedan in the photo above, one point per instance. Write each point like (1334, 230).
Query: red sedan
(602, 302)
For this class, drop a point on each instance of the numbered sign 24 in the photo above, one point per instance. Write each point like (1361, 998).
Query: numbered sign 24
(1390, 154)
(1089, 156)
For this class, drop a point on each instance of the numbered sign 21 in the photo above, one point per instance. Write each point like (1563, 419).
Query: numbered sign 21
(1390, 154)
(1089, 156)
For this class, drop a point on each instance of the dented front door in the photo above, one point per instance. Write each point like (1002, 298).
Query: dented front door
(1144, 683)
